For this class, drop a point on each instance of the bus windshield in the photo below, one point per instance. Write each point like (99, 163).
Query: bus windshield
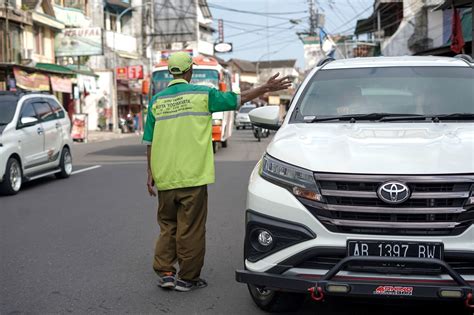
(205, 77)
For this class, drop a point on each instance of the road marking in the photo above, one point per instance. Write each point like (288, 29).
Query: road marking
(86, 169)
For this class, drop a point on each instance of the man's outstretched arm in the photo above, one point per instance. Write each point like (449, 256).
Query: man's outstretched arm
(273, 84)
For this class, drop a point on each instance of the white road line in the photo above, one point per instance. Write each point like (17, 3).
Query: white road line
(86, 169)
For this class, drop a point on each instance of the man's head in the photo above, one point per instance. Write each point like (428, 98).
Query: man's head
(180, 65)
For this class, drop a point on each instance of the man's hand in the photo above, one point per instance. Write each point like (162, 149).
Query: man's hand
(273, 84)
(150, 185)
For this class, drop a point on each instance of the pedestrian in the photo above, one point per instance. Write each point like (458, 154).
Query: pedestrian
(178, 134)
(136, 123)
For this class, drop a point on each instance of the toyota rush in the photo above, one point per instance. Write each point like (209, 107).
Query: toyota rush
(367, 189)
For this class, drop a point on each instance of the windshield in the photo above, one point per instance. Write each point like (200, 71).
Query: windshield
(244, 110)
(395, 90)
(205, 77)
(7, 109)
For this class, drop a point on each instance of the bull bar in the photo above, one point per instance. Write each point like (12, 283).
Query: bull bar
(365, 288)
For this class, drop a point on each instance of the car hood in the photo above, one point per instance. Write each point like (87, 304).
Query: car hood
(377, 148)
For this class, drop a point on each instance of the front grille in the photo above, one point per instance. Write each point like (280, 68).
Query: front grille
(437, 205)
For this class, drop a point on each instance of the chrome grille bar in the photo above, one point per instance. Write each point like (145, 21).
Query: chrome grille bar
(401, 178)
(414, 195)
(392, 225)
(387, 210)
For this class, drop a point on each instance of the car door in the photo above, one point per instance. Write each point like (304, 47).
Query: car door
(30, 137)
(63, 124)
(52, 129)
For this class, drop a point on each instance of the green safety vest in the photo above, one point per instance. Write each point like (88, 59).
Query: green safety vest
(179, 129)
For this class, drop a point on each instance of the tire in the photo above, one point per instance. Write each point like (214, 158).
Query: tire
(272, 301)
(65, 164)
(13, 178)
(237, 127)
(215, 146)
(224, 144)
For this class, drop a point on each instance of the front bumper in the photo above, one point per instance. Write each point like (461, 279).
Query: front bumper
(332, 285)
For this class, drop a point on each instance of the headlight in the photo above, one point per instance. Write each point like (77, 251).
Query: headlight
(299, 181)
(217, 122)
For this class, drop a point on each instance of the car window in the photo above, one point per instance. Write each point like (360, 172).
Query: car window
(7, 108)
(397, 90)
(44, 111)
(28, 110)
(246, 109)
(57, 110)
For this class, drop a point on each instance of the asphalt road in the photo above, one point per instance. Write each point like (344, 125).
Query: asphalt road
(85, 244)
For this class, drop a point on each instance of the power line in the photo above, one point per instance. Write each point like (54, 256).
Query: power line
(270, 15)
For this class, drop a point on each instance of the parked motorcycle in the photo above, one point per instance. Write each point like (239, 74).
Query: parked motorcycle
(260, 133)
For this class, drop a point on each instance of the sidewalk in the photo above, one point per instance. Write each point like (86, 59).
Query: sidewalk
(99, 136)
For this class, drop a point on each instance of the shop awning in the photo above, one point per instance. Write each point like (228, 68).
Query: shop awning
(55, 68)
(82, 70)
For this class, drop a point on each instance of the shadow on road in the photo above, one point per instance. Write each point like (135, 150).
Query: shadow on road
(123, 150)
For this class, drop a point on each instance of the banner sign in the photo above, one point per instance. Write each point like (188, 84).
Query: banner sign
(221, 30)
(32, 82)
(79, 42)
(71, 17)
(135, 72)
(63, 85)
(79, 129)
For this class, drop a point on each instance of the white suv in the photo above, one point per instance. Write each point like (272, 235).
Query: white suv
(34, 139)
(367, 189)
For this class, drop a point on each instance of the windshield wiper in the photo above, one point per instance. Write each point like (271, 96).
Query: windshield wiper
(454, 116)
(371, 116)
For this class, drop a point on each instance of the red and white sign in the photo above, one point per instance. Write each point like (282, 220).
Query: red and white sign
(135, 72)
(122, 73)
(129, 73)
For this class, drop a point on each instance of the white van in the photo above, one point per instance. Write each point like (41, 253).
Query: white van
(35, 139)
(367, 189)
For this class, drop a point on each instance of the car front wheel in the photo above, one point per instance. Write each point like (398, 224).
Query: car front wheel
(272, 301)
(65, 164)
(13, 178)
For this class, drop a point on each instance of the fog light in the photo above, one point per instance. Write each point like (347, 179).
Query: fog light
(450, 294)
(265, 238)
(338, 288)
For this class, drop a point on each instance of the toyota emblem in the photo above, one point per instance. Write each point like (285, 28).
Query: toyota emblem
(393, 192)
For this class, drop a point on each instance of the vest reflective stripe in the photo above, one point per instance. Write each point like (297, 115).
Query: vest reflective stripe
(182, 115)
(182, 93)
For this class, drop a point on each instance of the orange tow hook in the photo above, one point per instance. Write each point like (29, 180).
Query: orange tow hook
(316, 293)
(469, 300)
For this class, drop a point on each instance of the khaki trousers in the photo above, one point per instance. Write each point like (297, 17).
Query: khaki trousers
(182, 215)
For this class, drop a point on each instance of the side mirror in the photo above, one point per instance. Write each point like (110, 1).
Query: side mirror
(28, 121)
(267, 117)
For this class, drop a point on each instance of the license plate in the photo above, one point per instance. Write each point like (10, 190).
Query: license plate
(395, 249)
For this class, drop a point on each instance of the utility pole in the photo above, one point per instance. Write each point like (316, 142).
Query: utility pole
(313, 18)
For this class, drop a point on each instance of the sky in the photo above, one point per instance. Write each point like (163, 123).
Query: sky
(264, 37)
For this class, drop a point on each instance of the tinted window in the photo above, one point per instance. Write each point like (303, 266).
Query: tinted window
(246, 109)
(44, 111)
(28, 110)
(397, 90)
(200, 77)
(7, 108)
(57, 110)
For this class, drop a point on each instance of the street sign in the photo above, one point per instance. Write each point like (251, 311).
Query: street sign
(223, 47)
(221, 30)
(135, 72)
